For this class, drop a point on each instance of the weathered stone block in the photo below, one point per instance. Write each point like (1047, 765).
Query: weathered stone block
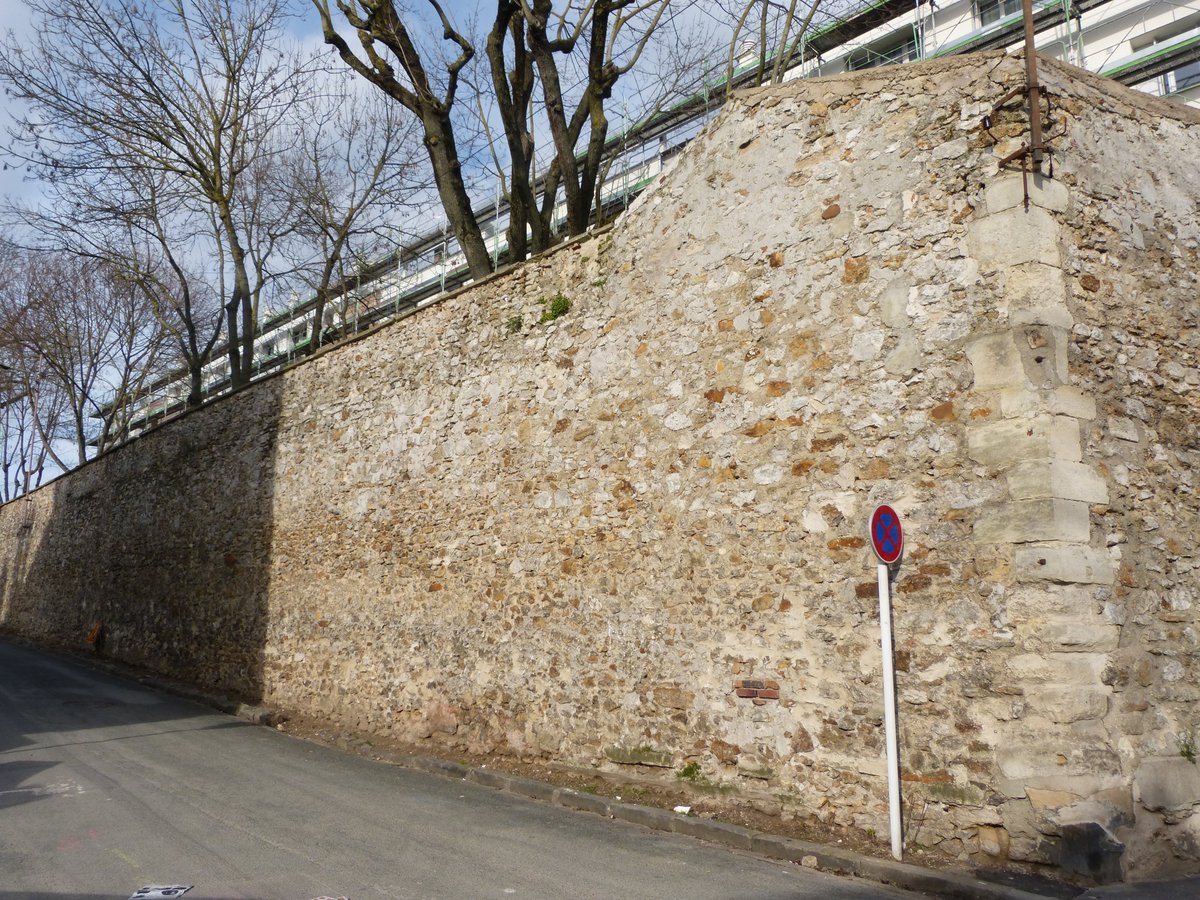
(1015, 236)
(1063, 601)
(640, 756)
(1042, 799)
(1022, 521)
(993, 841)
(1012, 440)
(1008, 191)
(965, 794)
(1063, 400)
(1036, 294)
(1068, 635)
(1057, 668)
(1065, 704)
(1170, 785)
(753, 766)
(1021, 759)
(1063, 564)
(1057, 478)
(996, 362)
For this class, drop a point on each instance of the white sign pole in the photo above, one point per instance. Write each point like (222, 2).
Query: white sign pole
(889, 709)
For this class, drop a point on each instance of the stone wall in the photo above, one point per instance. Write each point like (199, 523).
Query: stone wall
(635, 535)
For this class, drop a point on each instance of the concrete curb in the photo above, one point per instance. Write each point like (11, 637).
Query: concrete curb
(812, 856)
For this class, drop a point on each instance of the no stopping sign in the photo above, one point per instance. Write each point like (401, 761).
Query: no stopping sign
(887, 537)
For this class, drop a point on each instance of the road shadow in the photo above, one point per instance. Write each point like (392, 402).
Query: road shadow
(49, 705)
(156, 554)
(13, 776)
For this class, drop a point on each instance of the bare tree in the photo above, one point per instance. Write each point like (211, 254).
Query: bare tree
(83, 340)
(781, 31)
(189, 93)
(551, 69)
(349, 173)
(392, 60)
(30, 406)
(141, 226)
(615, 34)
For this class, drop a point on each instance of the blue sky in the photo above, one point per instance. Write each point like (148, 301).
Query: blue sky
(14, 16)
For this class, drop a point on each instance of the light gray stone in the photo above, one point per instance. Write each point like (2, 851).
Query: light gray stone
(1060, 478)
(1064, 400)
(1014, 237)
(1064, 564)
(1042, 437)
(893, 303)
(1023, 521)
(951, 149)
(1036, 294)
(1171, 784)
(996, 362)
(1065, 704)
(1008, 191)
(905, 358)
(1065, 635)
(1057, 668)
(1124, 429)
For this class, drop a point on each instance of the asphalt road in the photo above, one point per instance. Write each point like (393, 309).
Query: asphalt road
(106, 786)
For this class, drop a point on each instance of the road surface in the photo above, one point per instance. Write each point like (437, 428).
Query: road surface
(107, 785)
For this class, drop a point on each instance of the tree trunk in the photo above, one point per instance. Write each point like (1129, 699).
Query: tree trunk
(195, 382)
(447, 173)
(233, 345)
(579, 219)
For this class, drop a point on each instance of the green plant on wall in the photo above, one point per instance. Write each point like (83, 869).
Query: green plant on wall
(556, 307)
(513, 325)
(1186, 741)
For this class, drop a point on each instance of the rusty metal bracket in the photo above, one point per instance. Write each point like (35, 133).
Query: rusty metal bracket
(1026, 150)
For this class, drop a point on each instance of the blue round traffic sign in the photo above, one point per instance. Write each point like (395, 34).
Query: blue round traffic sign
(887, 537)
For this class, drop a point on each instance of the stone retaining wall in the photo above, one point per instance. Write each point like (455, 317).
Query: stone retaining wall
(635, 535)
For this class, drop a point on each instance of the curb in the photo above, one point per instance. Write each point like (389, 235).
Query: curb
(812, 856)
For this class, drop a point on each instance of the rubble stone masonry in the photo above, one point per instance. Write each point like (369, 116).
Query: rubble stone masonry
(635, 535)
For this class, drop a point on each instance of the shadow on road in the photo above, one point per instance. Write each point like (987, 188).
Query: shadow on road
(158, 553)
(48, 705)
(13, 775)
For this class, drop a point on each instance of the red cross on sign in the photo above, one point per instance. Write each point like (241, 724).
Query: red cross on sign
(887, 538)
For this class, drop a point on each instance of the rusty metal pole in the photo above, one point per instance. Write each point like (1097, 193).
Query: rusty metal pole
(1035, 106)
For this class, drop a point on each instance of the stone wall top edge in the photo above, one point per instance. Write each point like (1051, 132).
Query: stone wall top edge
(898, 75)
(1125, 101)
(1061, 76)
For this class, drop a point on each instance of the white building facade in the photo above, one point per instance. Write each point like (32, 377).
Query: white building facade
(1151, 46)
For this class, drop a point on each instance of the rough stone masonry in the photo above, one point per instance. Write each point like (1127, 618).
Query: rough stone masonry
(635, 535)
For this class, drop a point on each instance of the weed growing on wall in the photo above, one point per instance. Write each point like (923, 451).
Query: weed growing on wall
(558, 306)
(1186, 741)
